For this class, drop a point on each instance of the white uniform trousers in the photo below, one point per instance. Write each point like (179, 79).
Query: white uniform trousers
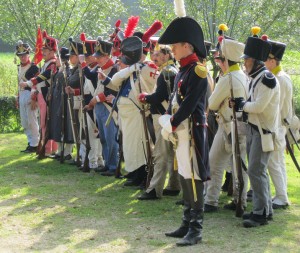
(29, 118)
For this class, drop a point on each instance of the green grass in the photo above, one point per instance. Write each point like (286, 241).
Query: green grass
(49, 207)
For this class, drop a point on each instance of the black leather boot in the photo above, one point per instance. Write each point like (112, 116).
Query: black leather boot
(184, 227)
(194, 234)
(225, 186)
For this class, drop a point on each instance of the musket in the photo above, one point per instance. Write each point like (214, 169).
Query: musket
(148, 147)
(86, 131)
(41, 154)
(291, 133)
(237, 156)
(121, 158)
(292, 153)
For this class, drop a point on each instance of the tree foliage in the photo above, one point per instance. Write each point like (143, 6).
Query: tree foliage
(279, 18)
(61, 19)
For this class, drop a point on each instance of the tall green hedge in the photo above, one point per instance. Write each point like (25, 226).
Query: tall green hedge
(9, 115)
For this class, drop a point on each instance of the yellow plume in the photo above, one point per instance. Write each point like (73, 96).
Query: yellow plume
(223, 27)
(255, 30)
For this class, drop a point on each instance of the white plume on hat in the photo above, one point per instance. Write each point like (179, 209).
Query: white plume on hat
(179, 8)
(232, 50)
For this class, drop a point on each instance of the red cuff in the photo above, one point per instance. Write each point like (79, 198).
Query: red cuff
(34, 81)
(83, 65)
(76, 92)
(101, 97)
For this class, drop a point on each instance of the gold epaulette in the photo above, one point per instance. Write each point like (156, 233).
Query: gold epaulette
(201, 70)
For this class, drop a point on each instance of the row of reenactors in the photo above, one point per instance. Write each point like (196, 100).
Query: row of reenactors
(95, 76)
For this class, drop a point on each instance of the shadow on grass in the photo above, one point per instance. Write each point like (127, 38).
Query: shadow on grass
(59, 208)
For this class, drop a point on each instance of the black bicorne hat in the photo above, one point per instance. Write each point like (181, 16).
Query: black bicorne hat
(131, 49)
(64, 53)
(102, 47)
(185, 29)
(22, 48)
(277, 50)
(257, 48)
(76, 48)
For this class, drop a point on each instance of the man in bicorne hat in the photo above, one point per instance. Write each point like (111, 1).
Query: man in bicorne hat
(188, 123)
(39, 86)
(28, 107)
(262, 107)
(276, 165)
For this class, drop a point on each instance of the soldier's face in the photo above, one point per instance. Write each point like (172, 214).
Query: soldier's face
(101, 60)
(24, 58)
(180, 50)
(74, 59)
(248, 64)
(47, 54)
(155, 58)
(270, 64)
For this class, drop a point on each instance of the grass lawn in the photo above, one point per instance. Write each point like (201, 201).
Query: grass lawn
(48, 207)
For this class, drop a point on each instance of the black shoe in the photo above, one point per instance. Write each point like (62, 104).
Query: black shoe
(167, 192)
(255, 220)
(180, 232)
(179, 202)
(108, 173)
(275, 206)
(148, 195)
(102, 169)
(249, 195)
(68, 157)
(210, 208)
(247, 216)
(30, 149)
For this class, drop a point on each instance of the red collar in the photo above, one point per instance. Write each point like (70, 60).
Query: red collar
(108, 64)
(188, 60)
(25, 64)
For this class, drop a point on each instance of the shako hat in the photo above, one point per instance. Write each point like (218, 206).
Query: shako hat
(277, 48)
(76, 48)
(184, 29)
(49, 42)
(131, 49)
(256, 47)
(64, 53)
(22, 48)
(88, 45)
(102, 47)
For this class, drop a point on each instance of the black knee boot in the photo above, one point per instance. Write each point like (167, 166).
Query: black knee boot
(184, 227)
(194, 234)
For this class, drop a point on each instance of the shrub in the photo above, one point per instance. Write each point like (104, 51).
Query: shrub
(9, 115)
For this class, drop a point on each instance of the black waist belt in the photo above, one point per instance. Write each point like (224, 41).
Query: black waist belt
(27, 88)
(255, 127)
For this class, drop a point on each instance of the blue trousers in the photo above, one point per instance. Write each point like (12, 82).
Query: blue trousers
(108, 137)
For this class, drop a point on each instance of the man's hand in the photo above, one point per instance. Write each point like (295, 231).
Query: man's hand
(17, 103)
(110, 98)
(142, 97)
(23, 85)
(88, 107)
(81, 58)
(101, 75)
(69, 90)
